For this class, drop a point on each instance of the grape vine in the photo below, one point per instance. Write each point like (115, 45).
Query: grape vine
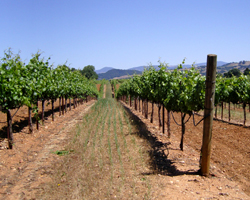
(22, 84)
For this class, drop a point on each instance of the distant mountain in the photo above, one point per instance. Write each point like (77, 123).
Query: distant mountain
(141, 68)
(115, 73)
(242, 65)
(219, 63)
(110, 72)
(103, 70)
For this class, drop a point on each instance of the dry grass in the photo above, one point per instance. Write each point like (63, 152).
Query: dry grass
(236, 114)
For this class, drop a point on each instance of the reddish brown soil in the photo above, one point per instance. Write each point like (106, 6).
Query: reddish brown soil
(104, 91)
(20, 119)
(230, 154)
(26, 167)
(117, 86)
(98, 86)
(22, 168)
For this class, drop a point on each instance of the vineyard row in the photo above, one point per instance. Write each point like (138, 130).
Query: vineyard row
(26, 84)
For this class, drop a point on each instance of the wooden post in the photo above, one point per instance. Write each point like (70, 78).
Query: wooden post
(168, 123)
(52, 107)
(62, 105)
(66, 105)
(208, 114)
(30, 120)
(9, 129)
(159, 115)
(139, 104)
(152, 114)
(221, 110)
(69, 103)
(142, 107)
(244, 110)
(163, 119)
(135, 103)
(216, 112)
(43, 101)
(183, 127)
(60, 98)
(37, 121)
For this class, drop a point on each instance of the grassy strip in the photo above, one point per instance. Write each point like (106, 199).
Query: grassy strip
(117, 143)
(109, 143)
(111, 157)
(139, 149)
(107, 105)
(97, 129)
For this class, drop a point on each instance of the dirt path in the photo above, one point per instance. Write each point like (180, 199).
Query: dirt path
(22, 169)
(104, 91)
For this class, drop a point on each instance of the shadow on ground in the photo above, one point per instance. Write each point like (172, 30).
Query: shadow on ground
(159, 162)
(18, 126)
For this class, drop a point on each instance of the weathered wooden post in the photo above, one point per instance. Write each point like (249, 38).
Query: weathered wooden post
(37, 118)
(139, 104)
(60, 108)
(62, 105)
(30, 120)
(245, 116)
(43, 101)
(168, 123)
(163, 119)
(208, 114)
(52, 107)
(9, 130)
(152, 113)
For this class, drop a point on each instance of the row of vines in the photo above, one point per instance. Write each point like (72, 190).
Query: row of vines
(26, 84)
(182, 91)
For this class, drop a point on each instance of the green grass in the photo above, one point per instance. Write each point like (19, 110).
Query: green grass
(109, 158)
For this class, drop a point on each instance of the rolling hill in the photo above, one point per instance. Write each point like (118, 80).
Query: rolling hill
(114, 73)
(222, 67)
(242, 65)
(103, 70)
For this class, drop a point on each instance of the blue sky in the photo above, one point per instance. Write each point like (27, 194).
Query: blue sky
(126, 33)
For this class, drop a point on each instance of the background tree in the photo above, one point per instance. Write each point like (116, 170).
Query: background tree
(73, 69)
(219, 75)
(247, 71)
(89, 72)
(233, 72)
